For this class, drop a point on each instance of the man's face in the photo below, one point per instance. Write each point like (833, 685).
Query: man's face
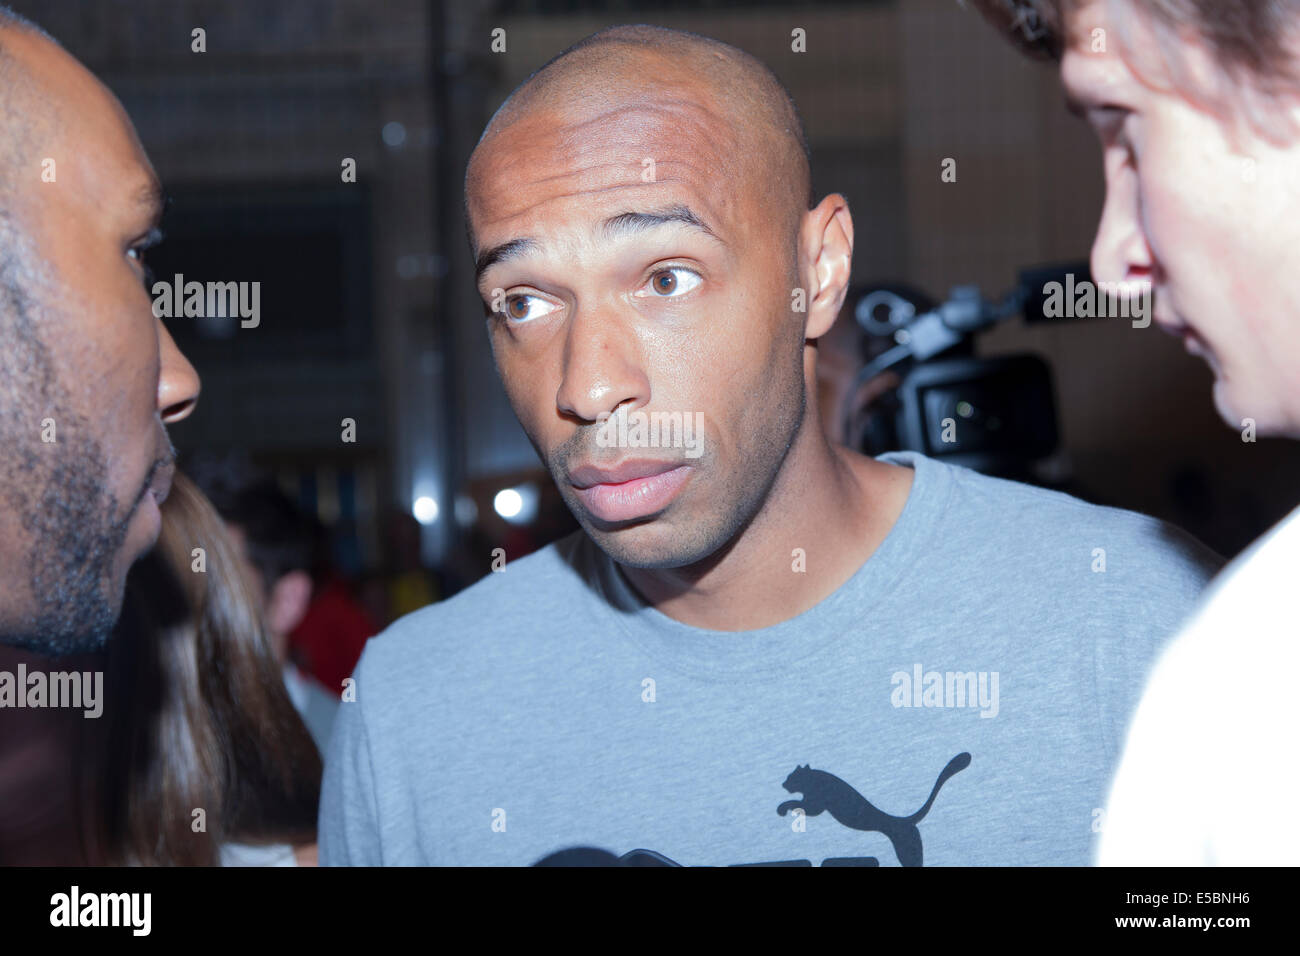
(1212, 221)
(85, 362)
(604, 312)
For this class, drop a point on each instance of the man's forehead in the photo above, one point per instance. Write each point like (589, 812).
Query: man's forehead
(611, 216)
(1093, 72)
(79, 119)
(549, 171)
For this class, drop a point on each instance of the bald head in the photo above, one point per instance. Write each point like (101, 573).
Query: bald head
(626, 66)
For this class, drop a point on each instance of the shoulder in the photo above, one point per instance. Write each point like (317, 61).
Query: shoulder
(519, 598)
(1043, 529)
(1209, 725)
(1247, 618)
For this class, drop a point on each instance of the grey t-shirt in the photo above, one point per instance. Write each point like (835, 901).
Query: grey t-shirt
(959, 700)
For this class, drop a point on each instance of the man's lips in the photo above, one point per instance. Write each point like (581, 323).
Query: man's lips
(1171, 326)
(1192, 340)
(586, 476)
(631, 489)
(161, 483)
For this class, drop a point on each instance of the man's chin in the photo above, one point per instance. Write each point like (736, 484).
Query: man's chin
(56, 637)
(1221, 405)
(651, 544)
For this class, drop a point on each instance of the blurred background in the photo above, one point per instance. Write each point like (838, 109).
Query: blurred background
(369, 314)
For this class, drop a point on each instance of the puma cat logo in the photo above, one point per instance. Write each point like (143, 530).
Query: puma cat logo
(824, 791)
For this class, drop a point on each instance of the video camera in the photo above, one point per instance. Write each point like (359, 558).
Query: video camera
(995, 415)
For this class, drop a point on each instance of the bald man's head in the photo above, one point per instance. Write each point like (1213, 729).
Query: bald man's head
(634, 64)
(645, 243)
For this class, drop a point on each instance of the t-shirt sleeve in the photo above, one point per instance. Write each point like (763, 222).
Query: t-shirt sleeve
(1164, 579)
(1207, 767)
(348, 824)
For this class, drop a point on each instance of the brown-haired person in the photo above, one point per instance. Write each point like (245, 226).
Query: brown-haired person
(197, 716)
(196, 755)
(1197, 107)
(89, 377)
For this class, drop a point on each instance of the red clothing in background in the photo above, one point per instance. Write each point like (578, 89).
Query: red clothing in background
(328, 641)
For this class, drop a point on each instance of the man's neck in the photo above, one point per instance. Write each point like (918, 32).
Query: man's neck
(827, 513)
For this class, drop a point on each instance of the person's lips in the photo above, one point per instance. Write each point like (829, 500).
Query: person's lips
(161, 485)
(157, 484)
(1193, 342)
(1170, 325)
(1182, 330)
(586, 476)
(148, 507)
(632, 489)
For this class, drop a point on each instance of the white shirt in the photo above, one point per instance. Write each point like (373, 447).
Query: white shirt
(1210, 774)
(248, 854)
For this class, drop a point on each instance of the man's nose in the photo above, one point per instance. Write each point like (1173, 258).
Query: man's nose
(178, 383)
(602, 367)
(1120, 251)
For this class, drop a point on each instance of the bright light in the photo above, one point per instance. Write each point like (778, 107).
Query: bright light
(508, 503)
(518, 505)
(425, 510)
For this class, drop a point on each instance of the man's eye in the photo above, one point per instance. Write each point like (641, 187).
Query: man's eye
(138, 250)
(517, 308)
(146, 271)
(667, 283)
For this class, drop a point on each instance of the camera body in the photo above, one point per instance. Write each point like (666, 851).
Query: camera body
(996, 415)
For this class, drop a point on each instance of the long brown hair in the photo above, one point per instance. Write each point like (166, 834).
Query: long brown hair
(199, 744)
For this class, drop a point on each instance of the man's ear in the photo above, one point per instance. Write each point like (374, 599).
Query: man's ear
(826, 239)
(288, 601)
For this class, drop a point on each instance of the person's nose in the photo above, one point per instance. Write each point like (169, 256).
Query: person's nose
(602, 367)
(178, 383)
(1120, 252)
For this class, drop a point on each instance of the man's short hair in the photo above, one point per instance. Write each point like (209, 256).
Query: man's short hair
(17, 256)
(10, 84)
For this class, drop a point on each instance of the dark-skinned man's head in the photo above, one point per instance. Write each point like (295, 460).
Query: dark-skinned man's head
(88, 375)
(640, 209)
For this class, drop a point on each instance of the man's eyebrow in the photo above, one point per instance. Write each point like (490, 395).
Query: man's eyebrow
(630, 222)
(507, 250)
(153, 199)
(624, 223)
